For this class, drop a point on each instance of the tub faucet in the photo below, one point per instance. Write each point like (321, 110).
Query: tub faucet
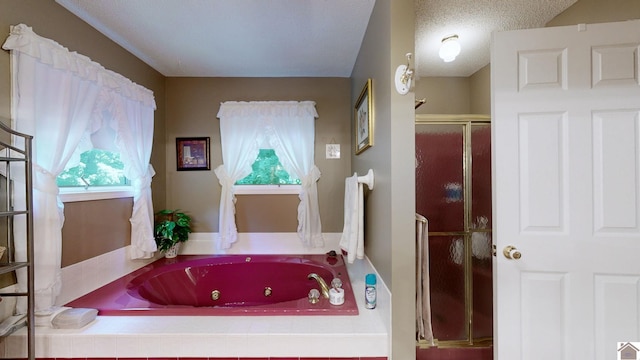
(324, 289)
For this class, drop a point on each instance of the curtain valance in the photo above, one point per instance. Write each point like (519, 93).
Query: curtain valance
(267, 109)
(23, 39)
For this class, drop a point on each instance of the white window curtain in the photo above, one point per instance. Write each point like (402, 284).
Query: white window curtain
(125, 125)
(289, 128)
(134, 138)
(56, 97)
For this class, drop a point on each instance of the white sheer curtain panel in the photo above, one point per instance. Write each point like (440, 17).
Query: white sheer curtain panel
(56, 94)
(240, 136)
(293, 139)
(134, 139)
(288, 126)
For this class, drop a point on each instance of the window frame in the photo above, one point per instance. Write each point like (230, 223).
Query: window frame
(266, 189)
(75, 194)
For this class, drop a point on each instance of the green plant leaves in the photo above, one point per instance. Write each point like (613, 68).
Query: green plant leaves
(171, 227)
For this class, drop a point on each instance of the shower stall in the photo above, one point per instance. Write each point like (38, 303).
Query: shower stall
(453, 205)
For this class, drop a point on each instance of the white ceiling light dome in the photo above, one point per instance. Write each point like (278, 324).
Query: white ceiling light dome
(450, 48)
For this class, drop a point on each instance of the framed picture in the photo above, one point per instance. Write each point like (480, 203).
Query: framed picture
(363, 115)
(192, 153)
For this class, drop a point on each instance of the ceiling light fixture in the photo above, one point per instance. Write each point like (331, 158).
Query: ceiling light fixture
(450, 48)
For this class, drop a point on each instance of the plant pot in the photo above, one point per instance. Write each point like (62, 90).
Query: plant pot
(172, 251)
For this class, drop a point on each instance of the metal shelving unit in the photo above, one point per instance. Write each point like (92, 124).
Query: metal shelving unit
(17, 149)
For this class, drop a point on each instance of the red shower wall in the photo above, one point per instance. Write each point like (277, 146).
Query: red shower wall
(439, 161)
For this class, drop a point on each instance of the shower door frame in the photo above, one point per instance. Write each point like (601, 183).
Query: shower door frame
(467, 120)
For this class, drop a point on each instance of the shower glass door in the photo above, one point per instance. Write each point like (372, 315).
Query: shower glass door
(453, 191)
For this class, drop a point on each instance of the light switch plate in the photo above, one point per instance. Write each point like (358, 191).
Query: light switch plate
(333, 151)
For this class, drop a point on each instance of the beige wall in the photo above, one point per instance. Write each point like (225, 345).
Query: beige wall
(192, 106)
(50, 20)
(480, 91)
(255, 213)
(390, 207)
(444, 95)
(598, 11)
(104, 227)
(455, 95)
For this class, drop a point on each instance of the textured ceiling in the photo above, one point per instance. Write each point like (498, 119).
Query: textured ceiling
(473, 21)
(293, 38)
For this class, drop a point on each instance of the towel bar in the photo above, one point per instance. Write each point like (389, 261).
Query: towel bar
(367, 179)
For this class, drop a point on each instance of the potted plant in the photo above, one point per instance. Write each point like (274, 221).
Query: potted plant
(172, 227)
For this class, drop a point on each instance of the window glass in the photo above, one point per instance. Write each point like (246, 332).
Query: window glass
(267, 170)
(97, 168)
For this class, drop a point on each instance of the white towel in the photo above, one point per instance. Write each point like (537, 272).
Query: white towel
(352, 240)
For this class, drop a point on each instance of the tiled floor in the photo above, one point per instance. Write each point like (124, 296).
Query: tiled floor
(232, 358)
(470, 353)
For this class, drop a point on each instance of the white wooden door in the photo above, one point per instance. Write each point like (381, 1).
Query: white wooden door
(566, 170)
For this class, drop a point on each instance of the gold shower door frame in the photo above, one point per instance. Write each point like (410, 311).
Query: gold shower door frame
(467, 121)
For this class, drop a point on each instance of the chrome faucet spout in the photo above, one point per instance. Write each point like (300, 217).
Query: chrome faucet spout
(324, 289)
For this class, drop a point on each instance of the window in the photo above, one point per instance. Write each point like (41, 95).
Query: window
(267, 170)
(268, 177)
(100, 175)
(97, 168)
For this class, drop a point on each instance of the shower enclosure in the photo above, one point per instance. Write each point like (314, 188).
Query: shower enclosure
(453, 192)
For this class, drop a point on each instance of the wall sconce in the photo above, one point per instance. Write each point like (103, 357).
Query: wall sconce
(403, 78)
(450, 48)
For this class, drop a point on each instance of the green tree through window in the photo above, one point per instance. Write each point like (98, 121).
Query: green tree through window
(267, 170)
(97, 168)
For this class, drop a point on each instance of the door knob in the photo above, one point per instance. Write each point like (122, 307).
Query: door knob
(510, 252)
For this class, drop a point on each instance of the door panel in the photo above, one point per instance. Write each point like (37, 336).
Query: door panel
(543, 141)
(566, 185)
(448, 308)
(482, 294)
(617, 308)
(440, 176)
(615, 157)
(549, 312)
(481, 175)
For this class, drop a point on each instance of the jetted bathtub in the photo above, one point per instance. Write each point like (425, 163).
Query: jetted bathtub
(224, 285)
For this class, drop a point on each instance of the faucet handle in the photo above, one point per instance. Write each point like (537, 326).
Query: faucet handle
(336, 283)
(314, 296)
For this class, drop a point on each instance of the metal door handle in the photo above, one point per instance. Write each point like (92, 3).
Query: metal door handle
(510, 252)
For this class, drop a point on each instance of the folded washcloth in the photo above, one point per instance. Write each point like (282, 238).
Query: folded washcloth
(43, 318)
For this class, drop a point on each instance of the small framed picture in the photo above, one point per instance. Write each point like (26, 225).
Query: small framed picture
(193, 153)
(363, 117)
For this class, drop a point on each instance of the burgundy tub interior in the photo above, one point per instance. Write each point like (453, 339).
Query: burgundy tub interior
(244, 284)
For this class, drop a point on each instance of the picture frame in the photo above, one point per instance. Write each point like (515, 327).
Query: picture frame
(363, 118)
(192, 153)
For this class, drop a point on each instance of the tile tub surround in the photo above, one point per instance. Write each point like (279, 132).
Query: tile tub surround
(365, 335)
